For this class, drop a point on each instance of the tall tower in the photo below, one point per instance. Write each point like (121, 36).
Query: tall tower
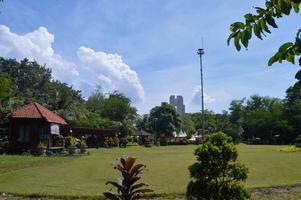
(178, 103)
(172, 100)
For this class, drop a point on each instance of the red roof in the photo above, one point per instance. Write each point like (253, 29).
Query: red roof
(36, 111)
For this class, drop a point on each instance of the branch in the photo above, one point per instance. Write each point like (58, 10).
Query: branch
(260, 23)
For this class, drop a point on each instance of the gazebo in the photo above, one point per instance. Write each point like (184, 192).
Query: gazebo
(32, 124)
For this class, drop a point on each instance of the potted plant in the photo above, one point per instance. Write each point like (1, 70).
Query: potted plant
(83, 146)
(71, 148)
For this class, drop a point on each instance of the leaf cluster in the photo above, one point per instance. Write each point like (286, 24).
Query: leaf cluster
(128, 188)
(260, 23)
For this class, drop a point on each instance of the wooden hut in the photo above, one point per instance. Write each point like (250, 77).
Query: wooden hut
(142, 136)
(32, 124)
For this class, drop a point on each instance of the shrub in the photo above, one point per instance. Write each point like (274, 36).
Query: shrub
(40, 149)
(70, 142)
(127, 187)
(148, 142)
(123, 142)
(163, 141)
(110, 142)
(216, 175)
(60, 141)
(298, 141)
(116, 141)
(106, 142)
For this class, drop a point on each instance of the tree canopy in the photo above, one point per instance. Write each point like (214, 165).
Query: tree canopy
(164, 119)
(25, 81)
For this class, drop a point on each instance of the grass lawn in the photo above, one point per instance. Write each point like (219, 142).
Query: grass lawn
(166, 170)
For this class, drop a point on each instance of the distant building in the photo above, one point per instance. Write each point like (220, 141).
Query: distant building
(178, 103)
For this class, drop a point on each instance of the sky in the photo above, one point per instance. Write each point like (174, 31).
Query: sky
(146, 49)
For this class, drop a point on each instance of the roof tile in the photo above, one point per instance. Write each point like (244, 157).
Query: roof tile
(36, 111)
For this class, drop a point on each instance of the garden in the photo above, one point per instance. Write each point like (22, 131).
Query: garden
(166, 170)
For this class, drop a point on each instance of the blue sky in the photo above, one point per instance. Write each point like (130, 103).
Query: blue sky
(147, 49)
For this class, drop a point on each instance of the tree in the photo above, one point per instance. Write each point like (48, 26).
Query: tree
(5, 87)
(292, 112)
(209, 122)
(118, 107)
(260, 25)
(127, 187)
(164, 120)
(143, 123)
(95, 102)
(224, 124)
(187, 124)
(5, 93)
(216, 174)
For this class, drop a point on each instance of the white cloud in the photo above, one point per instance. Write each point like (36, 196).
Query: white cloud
(36, 45)
(99, 68)
(112, 73)
(197, 95)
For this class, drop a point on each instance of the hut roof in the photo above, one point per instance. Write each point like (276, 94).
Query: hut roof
(142, 133)
(36, 111)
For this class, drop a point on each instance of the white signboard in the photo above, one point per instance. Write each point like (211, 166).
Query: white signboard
(54, 129)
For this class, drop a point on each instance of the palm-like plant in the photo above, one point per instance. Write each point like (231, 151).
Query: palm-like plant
(128, 188)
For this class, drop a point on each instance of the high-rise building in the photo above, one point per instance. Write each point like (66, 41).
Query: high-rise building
(178, 103)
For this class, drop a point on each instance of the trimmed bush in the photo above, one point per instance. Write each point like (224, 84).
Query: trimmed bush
(216, 174)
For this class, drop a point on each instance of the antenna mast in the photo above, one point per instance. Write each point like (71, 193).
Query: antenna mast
(201, 52)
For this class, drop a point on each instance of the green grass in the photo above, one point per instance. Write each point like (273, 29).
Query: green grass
(166, 170)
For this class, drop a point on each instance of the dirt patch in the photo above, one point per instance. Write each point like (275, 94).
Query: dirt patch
(283, 193)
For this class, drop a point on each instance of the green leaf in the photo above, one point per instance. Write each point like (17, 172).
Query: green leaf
(298, 75)
(249, 18)
(285, 46)
(291, 57)
(274, 59)
(119, 187)
(239, 25)
(139, 185)
(110, 196)
(257, 31)
(236, 26)
(264, 26)
(286, 6)
(236, 41)
(297, 86)
(232, 35)
(296, 7)
(271, 21)
(245, 36)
